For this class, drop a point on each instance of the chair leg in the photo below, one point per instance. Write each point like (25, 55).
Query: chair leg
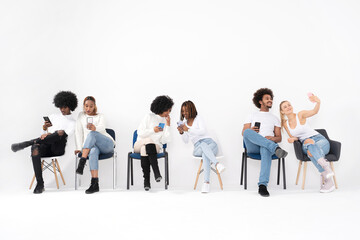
(53, 164)
(304, 176)
(132, 171)
(59, 169)
(167, 169)
(198, 174)
(220, 181)
(128, 173)
(42, 169)
(245, 181)
(76, 176)
(278, 174)
(242, 170)
(166, 173)
(284, 177)
(298, 173)
(332, 168)
(114, 171)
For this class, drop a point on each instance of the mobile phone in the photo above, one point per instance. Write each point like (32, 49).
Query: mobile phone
(90, 120)
(47, 119)
(257, 124)
(162, 125)
(179, 123)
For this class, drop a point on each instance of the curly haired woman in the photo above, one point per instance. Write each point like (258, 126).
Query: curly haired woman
(153, 132)
(54, 135)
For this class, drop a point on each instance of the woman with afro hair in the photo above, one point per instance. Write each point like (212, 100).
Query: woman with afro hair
(153, 132)
(54, 135)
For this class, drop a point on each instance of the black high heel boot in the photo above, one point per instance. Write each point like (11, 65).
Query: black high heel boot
(152, 153)
(94, 186)
(145, 165)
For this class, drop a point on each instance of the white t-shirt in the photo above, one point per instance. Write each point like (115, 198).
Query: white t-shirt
(268, 122)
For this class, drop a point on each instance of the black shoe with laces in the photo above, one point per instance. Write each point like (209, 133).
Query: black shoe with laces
(94, 187)
(39, 188)
(263, 191)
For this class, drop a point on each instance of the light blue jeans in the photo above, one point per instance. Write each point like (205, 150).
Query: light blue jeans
(207, 149)
(317, 150)
(255, 143)
(97, 143)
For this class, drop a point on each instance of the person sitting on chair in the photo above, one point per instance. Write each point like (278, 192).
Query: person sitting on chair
(53, 137)
(91, 140)
(314, 145)
(153, 132)
(261, 134)
(193, 128)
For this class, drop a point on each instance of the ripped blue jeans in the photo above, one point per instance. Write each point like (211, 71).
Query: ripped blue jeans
(317, 150)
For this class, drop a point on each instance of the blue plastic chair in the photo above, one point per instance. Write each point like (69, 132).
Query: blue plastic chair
(112, 155)
(132, 155)
(255, 156)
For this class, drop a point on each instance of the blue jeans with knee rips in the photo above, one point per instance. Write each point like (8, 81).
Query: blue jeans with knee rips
(318, 150)
(207, 149)
(255, 143)
(97, 143)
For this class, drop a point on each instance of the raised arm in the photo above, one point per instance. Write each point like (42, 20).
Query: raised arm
(309, 113)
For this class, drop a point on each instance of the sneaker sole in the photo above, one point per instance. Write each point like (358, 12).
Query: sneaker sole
(327, 191)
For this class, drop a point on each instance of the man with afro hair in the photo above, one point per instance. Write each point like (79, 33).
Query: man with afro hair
(262, 132)
(53, 138)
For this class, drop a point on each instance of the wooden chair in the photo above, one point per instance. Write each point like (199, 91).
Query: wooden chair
(52, 164)
(213, 169)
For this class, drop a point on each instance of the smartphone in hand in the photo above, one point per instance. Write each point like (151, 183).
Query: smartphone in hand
(162, 125)
(257, 124)
(47, 119)
(179, 123)
(90, 120)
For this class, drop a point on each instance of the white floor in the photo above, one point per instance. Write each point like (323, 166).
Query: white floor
(180, 214)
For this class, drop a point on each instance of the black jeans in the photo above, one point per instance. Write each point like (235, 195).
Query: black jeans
(52, 145)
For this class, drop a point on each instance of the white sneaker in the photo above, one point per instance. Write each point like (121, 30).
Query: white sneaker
(205, 188)
(219, 167)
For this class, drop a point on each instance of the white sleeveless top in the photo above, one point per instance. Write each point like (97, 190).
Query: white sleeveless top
(302, 131)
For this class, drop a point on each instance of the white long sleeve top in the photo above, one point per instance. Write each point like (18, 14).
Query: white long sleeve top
(81, 130)
(146, 129)
(196, 132)
(61, 122)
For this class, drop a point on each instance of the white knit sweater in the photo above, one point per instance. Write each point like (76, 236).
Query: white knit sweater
(81, 130)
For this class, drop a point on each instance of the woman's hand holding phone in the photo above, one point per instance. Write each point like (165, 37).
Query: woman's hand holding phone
(158, 129)
(76, 152)
(91, 127)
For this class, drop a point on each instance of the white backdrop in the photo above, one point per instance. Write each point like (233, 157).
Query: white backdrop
(215, 53)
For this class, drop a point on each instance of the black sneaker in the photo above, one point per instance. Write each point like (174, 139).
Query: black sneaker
(158, 179)
(280, 153)
(147, 185)
(263, 191)
(39, 188)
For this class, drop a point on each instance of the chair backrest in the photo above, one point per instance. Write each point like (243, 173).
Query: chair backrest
(111, 132)
(323, 132)
(135, 138)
